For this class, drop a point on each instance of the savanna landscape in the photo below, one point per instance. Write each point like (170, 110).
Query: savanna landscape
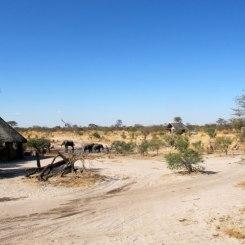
(147, 185)
(122, 122)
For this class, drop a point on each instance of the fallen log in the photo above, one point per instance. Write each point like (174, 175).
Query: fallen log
(52, 169)
(62, 167)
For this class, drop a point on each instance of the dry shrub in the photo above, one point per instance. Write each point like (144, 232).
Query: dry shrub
(235, 233)
(85, 179)
(241, 184)
(242, 210)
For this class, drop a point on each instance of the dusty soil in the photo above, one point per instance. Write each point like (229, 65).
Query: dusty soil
(139, 202)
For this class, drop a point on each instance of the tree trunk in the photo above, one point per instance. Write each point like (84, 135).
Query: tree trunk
(188, 167)
(38, 159)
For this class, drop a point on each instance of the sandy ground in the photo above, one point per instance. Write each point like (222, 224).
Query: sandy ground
(141, 202)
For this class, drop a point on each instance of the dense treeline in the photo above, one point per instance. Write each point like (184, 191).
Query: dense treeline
(235, 124)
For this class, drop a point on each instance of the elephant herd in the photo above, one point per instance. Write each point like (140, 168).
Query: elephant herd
(93, 148)
(88, 148)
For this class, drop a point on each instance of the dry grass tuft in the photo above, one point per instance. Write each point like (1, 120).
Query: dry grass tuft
(84, 179)
(241, 184)
(87, 178)
(235, 233)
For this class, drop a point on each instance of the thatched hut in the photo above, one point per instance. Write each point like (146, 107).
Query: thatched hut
(176, 127)
(11, 142)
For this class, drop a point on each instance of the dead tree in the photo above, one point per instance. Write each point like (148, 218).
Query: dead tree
(62, 167)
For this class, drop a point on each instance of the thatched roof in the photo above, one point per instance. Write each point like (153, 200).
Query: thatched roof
(177, 126)
(9, 134)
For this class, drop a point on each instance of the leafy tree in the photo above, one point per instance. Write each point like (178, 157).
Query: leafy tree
(185, 157)
(13, 123)
(144, 147)
(223, 143)
(242, 135)
(155, 144)
(221, 122)
(211, 131)
(181, 143)
(119, 123)
(122, 147)
(178, 120)
(137, 125)
(239, 111)
(237, 123)
(40, 145)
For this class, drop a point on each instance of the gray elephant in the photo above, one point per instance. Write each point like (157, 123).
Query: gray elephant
(88, 148)
(67, 144)
(98, 148)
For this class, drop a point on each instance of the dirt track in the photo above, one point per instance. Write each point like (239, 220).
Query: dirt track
(142, 203)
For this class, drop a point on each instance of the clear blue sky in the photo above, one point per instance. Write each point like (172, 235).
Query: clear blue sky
(142, 61)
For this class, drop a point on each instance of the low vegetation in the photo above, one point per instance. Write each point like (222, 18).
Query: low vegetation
(96, 135)
(211, 132)
(223, 143)
(121, 147)
(184, 157)
(40, 145)
(235, 233)
(155, 145)
(198, 146)
(144, 147)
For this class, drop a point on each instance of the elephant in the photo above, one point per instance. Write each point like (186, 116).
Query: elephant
(88, 147)
(98, 148)
(68, 143)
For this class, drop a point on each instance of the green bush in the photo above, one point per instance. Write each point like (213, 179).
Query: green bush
(181, 143)
(122, 147)
(155, 144)
(39, 144)
(144, 147)
(241, 135)
(170, 140)
(185, 157)
(211, 132)
(223, 143)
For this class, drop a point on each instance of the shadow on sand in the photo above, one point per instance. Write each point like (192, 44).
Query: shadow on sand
(15, 168)
(197, 171)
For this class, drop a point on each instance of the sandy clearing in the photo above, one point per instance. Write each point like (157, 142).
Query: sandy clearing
(142, 203)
